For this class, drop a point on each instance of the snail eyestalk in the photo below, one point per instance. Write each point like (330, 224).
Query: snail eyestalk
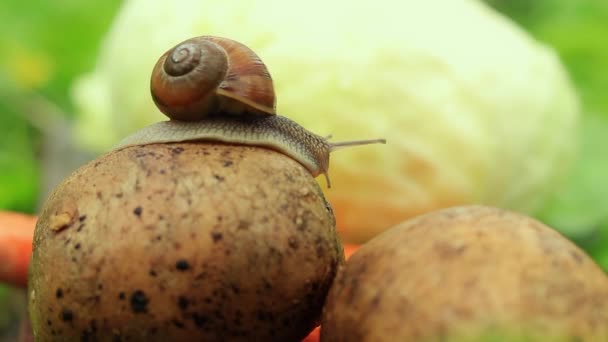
(333, 146)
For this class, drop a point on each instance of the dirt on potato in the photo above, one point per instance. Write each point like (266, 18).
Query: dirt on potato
(183, 242)
(468, 274)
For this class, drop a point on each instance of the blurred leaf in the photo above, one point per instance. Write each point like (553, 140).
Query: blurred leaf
(581, 204)
(50, 42)
(56, 38)
(577, 36)
(595, 243)
(19, 177)
(576, 29)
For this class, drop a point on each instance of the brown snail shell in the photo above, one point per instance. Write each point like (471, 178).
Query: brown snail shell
(206, 75)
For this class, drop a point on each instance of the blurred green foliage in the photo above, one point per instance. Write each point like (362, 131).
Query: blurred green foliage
(50, 42)
(577, 30)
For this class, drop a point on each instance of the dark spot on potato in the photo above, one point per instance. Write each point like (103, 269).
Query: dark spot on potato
(199, 320)
(139, 153)
(265, 316)
(100, 286)
(162, 171)
(447, 250)
(80, 227)
(375, 302)
(67, 315)
(77, 246)
(137, 211)
(243, 225)
(177, 150)
(328, 207)
(95, 299)
(227, 163)
(59, 293)
(218, 314)
(183, 303)
(137, 186)
(216, 236)
(235, 288)
(99, 195)
(86, 335)
(576, 256)
(178, 324)
(182, 265)
(82, 218)
(293, 242)
(121, 296)
(48, 322)
(218, 177)
(139, 302)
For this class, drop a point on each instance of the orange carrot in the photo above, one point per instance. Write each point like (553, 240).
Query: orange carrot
(16, 232)
(349, 250)
(313, 336)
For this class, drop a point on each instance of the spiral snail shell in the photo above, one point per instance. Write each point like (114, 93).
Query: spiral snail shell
(206, 75)
(217, 89)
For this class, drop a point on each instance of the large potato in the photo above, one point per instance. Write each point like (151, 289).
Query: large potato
(468, 274)
(183, 242)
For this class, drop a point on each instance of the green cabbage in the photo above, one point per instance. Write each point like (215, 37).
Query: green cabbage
(474, 109)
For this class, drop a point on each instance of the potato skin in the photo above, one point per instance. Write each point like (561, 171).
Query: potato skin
(183, 242)
(468, 274)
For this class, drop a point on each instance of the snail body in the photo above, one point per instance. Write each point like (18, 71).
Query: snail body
(275, 132)
(217, 89)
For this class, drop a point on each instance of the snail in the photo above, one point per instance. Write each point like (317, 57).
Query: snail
(217, 89)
